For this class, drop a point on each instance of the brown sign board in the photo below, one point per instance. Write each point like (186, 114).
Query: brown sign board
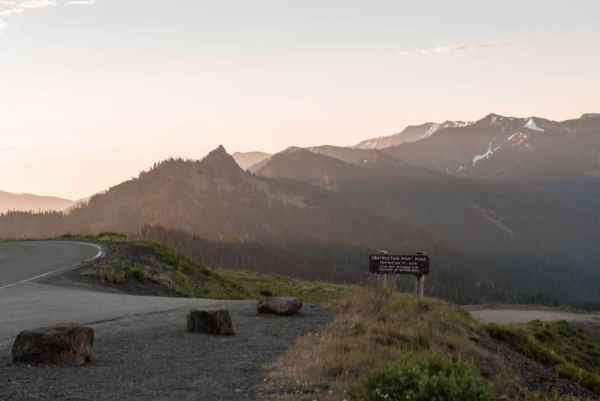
(417, 265)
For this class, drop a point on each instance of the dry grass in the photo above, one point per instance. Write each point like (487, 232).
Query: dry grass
(374, 327)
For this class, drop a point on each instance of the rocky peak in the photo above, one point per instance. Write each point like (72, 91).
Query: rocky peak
(493, 119)
(219, 161)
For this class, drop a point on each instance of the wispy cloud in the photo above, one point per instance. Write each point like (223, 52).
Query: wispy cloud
(11, 11)
(10, 8)
(442, 50)
(81, 2)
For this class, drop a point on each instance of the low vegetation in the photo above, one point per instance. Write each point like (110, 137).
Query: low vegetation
(384, 345)
(146, 266)
(387, 346)
(426, 377)
(569, 350)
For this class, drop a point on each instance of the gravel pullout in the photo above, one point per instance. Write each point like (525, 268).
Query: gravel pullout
(152, 357)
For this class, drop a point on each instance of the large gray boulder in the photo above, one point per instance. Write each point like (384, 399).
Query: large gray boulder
(282, 306)
(210, 322)
(64, 344)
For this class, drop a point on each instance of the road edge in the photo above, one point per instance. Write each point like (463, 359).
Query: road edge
(101, 253)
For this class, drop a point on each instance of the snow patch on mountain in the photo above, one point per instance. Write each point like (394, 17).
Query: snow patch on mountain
(458, 124)
(532, 125)
(370, 144)
(494, 219)
(432, 130)
(489, 153)
(519, 139)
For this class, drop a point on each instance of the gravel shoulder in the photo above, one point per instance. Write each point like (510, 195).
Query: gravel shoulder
(152, 357)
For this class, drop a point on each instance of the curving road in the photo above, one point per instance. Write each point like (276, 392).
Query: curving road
(21, 262)
(25, 303)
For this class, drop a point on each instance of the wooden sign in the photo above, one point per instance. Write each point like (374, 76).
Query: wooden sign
(417, 265)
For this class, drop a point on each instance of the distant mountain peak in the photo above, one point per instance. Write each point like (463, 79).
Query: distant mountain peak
(494, 119)
(247, 160)
(221, 161)
(221, 151)
(29, 202)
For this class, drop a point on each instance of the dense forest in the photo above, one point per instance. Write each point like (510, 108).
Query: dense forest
(453, 281)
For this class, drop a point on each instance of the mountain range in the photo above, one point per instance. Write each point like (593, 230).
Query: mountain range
(36, 203)
(501, 147)
(412, 133)
(498, 200)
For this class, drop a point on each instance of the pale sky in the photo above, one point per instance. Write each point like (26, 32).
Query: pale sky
(92, 92)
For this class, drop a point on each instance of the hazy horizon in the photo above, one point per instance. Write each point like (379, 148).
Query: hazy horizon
(95, 91)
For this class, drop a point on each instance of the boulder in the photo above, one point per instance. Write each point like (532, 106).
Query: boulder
(282, 306)
(210, 322)
(64, 344)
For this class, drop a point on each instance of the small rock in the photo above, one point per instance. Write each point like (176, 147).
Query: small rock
(65, 344)
(282, 306)
(210, 322)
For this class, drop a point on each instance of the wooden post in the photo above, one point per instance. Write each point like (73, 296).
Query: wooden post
(422, 287)
(418, 285)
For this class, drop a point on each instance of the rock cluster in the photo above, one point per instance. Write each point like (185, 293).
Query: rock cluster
(65, 344)
(210, 322)
(281, 306)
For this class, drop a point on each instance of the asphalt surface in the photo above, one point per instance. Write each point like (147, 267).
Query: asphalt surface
(142, 349)
(25, 303)
(21, 261)
(521, 316)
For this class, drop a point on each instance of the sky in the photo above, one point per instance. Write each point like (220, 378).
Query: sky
(94, 91)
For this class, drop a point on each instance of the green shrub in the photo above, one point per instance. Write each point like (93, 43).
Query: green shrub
(553, 397)
(111, 236)
(425, 378)
(109, 275)
(526, 343)
(578, 375)
(137, 273)
(573, 355)
(182, 282)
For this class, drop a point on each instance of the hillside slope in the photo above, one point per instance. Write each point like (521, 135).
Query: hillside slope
(507, 229)
(248, 159)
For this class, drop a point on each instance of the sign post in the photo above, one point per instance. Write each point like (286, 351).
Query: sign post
(417, 265)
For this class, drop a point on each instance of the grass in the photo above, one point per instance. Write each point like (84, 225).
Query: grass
(427, 377)
(376, 328)
(102, 237)
(259, 285)
(573, 354)
(134, 263)
(109, 275)
(384, 345)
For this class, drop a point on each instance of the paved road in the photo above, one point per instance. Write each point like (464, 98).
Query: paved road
(520, 316)
(26, 304)
(21, 261)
